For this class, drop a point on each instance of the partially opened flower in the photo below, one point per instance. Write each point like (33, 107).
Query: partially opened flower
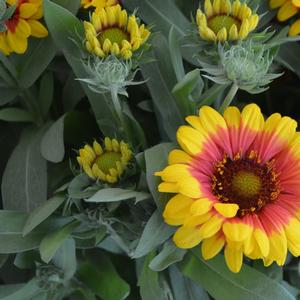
(237, 185)
(287, 9)
(105, 163)
(225, 20)
(111, 31)
(98, 3)
(22, 24)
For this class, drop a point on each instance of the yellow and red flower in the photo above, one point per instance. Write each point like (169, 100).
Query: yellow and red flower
(98, 3)
(112, 31)
(287, 10)
(22, 24)
(105, 163)
(237, 185)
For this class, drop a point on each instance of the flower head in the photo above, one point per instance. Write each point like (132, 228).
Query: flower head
(223, 20)
(245, 65)
(287, 9)
(237, 185)
(98, 3)
(109, 74)
(111, 31)
(21, 24)
(105, 163)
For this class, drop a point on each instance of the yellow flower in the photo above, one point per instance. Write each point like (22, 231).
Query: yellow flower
(287, 9)
(223, 20)
(98, 3)
(111, 31)
(21, 25)
(105, 163)
(237, 185)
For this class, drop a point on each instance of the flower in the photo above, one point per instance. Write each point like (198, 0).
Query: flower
(22, 24)
(237, 185)
(223, 20)
(246, 64)
(98, 3)
(111, 31)
(287, 9)
(109, 75)
(106, 163)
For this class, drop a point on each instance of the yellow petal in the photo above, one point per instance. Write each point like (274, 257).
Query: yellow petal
(278, 247)
(190, 139)
(262, 241)
(234, 259)
(17, 44)
(168, 187)
(177, 156)
(295, 28)
(244, 30)
(236, 231)
(276, 3)
(222, 35)
(208, 8)
(211, 227)
(217, 6)
(210, 119)
(200, 206)
(212, 246)
(38, 30)
(190, 186)
(177, 209)
(252, 117)
(227, 210)
(187, 237)
(286, 11)
(233, 33)
(27, 10)
(232, 116)
(174, 173)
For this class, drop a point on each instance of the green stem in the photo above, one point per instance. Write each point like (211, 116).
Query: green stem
(118, 109)
(229, 97)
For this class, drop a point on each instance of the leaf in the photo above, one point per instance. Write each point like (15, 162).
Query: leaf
(65, 258)
(13, 114)
(46, 93)
(166, 111)
(221, 283)
(156, 160)
(148, 282)
(184, 288)
(288, 56)
(175, 54)
(42, 212)
(26, 292)
(116, 194)
(164, 15)
(210, 95)
(52, 144)
(155, 233)
(183, 92)
(54, 240)
(68, 33)
(11, 229)
(24, 182)
(8, 94)
(101, 277)
(169, 255)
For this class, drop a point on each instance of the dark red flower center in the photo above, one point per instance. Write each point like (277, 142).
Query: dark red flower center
(245, 181)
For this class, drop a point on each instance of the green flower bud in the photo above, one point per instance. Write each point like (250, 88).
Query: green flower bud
(245, 65)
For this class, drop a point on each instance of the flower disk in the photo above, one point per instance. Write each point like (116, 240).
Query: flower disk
(223, 20)
(111, 31)
(237, 185)
(287, 9)
(21, 25)
(106, 163)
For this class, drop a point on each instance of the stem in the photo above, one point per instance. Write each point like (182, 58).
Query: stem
(118, 108)
(229, 97)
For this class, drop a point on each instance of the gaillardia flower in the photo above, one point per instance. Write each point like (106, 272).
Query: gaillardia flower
(237, 185)
(98, 3)
(105, 163)
(22, 24)
(111, 31)
(287, 9)
(223, 20)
